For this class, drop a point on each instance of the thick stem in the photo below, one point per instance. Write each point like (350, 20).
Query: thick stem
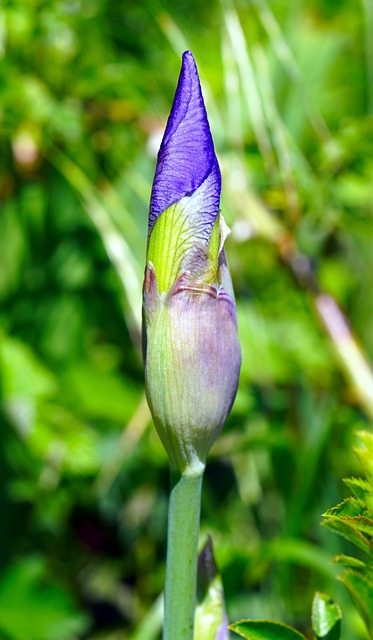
(182, 547)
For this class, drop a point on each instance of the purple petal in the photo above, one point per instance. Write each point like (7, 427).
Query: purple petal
(186, 157)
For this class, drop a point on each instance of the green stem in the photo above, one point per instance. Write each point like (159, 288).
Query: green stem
(182, 548)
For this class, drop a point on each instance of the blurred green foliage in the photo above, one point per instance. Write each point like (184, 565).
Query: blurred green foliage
(85, 89)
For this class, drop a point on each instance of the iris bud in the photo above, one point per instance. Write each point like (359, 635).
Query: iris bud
(192, 354)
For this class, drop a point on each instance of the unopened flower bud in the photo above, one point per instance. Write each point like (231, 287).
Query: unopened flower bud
(191, 351)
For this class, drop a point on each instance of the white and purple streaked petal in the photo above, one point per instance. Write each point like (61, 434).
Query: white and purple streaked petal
(186, 158)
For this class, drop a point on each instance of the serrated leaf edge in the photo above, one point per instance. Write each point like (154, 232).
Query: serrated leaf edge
(271, 622)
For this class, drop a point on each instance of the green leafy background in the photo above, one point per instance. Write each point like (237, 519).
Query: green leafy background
(85, 89)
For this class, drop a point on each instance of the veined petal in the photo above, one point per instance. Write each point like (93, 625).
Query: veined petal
(184, 224)
(192, 368)
(186, 158)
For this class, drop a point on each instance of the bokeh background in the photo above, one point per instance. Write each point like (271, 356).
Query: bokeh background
(85, 89)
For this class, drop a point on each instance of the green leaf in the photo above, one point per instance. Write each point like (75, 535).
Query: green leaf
(361, 488)
(360, 587)
(366, 438)
(363, 524)
(351, 519)
(347, 530)
(75, 444)
(326, 618)
(26, 383)
(265, 630)
(365, 455)
(349, 508)
(349, 561)
(24, 377)
(100, 394)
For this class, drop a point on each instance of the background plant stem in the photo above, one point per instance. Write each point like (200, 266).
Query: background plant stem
(182, 547)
